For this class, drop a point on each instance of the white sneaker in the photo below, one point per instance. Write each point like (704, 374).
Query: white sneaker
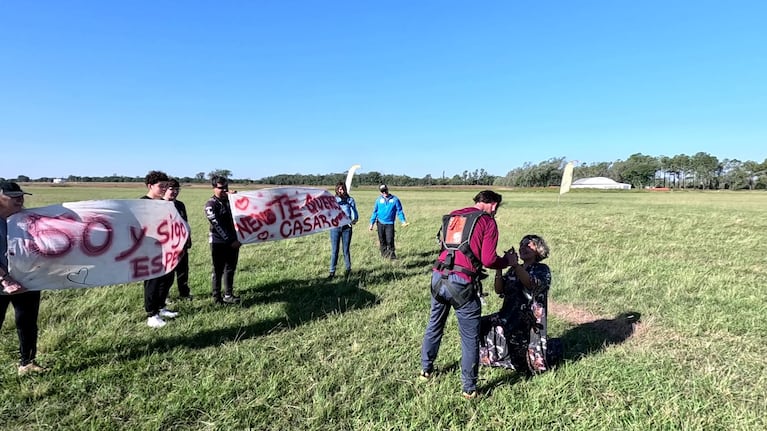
(167, 313)
(155, 322)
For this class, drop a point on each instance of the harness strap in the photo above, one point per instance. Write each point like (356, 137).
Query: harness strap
(445, 270)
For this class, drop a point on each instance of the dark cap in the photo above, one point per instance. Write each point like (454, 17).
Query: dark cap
(383, 188)
(11, 189)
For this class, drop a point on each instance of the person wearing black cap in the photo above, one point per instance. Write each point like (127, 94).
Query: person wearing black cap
(385, 211)
(25, 303)
(224, 246)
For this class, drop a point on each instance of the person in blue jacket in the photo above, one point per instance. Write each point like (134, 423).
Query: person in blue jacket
(386, 208)
(343, 234)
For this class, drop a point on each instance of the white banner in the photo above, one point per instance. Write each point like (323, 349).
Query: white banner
(94, 243)
(284, 212)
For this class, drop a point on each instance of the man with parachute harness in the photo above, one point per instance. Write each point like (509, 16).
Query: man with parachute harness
(469, 238)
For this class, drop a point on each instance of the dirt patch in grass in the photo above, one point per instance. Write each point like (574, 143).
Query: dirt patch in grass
(614, 329)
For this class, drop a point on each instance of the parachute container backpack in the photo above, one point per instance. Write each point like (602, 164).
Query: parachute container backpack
(455, 235)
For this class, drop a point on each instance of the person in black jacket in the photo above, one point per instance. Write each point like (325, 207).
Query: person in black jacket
(182, 269)
(224, 246)
(26, 303)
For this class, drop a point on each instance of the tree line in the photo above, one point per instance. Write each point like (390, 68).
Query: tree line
(701, 171)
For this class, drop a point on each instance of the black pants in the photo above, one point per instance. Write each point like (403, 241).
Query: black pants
(224, 264)
(386, 240)
(182, 274)
(27, 307)
(155, 292)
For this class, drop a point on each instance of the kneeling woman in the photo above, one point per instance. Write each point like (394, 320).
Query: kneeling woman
(516, 335)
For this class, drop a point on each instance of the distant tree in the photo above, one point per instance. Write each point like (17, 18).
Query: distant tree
(734, 175)
(681, 165)
(705, 169)
(664, 165)
(373, 178)
(751, 170)
(639, 170)
(220, 172)
(601, 169)
(22, 179)
(199, 176)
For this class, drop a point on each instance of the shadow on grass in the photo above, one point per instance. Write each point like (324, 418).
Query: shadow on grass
(425, 259)
(305, 301)
(595, 336)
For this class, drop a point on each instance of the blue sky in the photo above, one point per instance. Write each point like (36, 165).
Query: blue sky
(96, 88)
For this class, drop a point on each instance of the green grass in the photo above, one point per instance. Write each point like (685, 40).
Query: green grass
(304, 353)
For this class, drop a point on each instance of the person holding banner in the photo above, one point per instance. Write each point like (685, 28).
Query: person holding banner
(182, 268)
(25, 303)
(224, 246)
(385, 211)
(343, 234)
(156, 289)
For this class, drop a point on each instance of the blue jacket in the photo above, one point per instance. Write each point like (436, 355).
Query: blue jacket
(386, 209)
(349, 207)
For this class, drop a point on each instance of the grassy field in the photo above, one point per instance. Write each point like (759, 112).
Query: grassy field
(304, 353)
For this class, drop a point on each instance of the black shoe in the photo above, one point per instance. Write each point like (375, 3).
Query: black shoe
(231, 299)
(331, 275)
(217, 299)
(347, 273)
(425, 375)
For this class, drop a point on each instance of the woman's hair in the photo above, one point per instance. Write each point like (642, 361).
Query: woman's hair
(540, 246)
(342, 185)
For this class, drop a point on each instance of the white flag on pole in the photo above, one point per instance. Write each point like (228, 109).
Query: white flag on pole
(567, 178)
(349, 177)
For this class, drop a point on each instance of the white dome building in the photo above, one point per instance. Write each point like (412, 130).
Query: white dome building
(599, 183)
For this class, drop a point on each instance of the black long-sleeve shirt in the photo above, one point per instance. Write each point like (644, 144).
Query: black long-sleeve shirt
(219, 215)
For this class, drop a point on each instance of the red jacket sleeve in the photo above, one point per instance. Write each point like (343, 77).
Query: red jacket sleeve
(485, 241)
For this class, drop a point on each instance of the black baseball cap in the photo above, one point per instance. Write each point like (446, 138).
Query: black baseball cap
(11, 189)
